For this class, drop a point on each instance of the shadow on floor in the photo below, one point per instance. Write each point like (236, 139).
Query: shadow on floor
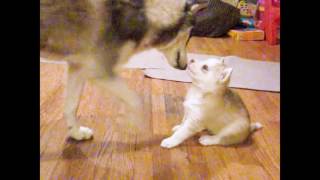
(91, 149)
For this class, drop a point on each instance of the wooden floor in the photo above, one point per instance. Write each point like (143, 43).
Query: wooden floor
(115, 154)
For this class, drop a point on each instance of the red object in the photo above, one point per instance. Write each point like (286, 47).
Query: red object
(272, 20)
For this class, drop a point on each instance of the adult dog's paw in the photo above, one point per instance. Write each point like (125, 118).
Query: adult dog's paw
(169, 143)
(81, 133)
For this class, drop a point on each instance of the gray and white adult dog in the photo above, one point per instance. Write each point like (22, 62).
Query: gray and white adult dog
(99, 35)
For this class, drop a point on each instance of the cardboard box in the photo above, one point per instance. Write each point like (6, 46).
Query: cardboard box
(247, 34)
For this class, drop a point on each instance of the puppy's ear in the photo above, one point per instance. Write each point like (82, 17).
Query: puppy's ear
(225, 75)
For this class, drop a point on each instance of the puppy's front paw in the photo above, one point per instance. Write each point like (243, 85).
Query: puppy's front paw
(175, 128)
(169, 143)
(81, 133)
(208, 140)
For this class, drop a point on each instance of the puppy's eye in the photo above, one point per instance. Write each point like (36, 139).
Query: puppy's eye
(205, 67)
(192, 61)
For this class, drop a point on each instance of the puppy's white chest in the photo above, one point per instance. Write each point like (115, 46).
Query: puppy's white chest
(193, 99)
(192, 103)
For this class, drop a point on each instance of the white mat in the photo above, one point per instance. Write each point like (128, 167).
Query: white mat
(247, 74)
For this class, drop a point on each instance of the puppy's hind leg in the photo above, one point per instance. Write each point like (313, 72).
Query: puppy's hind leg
(74, 88)
(232, 134)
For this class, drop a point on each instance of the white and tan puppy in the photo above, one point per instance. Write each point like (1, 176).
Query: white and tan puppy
(211, 105)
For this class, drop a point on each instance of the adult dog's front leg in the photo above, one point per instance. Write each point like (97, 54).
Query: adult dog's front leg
(111, 61)
(117, 87)
(74, 88)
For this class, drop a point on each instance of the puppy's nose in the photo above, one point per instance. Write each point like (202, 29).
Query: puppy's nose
(191, 61)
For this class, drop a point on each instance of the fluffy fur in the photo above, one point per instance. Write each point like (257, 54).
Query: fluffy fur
(211, 105)
(97, 36)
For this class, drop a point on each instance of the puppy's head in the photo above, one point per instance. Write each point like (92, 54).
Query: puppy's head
(209, 74)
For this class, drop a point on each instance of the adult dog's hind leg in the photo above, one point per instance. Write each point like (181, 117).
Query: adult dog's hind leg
(74, 88)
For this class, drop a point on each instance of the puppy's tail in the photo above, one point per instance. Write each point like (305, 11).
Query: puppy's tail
(255, 126)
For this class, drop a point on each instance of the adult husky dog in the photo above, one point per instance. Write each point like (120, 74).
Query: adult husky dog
(99, 35)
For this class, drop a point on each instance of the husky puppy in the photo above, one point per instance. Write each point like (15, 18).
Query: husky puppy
(97, 36)
(211, 105)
